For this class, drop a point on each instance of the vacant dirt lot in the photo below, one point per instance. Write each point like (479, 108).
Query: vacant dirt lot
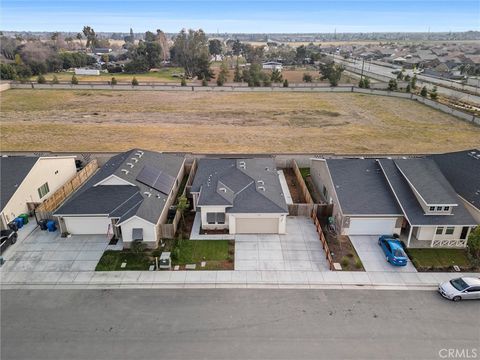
(225, 122)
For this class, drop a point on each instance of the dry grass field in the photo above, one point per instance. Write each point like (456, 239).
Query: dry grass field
(61, 120)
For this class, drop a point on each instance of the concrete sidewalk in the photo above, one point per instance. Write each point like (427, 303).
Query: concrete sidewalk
(227, 279)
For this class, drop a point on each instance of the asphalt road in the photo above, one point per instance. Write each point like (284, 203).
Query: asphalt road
(235, 324)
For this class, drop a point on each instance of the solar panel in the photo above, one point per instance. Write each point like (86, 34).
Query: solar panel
(156, 179)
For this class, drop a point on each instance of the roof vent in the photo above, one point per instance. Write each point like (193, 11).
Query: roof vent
(158, 196)
(135, 160)
(125, 171)
(139, 153)
(147, 193)
(266, 169)
(130, 164)
(261, 188)
(223, 189)
(261, 182)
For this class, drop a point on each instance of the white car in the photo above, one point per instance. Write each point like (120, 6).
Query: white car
(464, 288)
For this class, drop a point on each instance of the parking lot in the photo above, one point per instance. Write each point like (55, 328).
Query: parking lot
(44, 251)
(372, 255)
(299, 249)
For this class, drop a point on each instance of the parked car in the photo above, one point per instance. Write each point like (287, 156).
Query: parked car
(460, 288)
(393, 250)
(7, 238)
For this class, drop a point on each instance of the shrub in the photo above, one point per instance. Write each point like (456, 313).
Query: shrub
(134, 81)
(41, 79)
(137, 247)
(358, 263)
(424, 92)
(407, 89)
(433, 93)
(204, 82)
(473, 244)
(74, 80)
(7, 72)
(307, 78)
(113, 81)
(55, 79)
(183, 82)
(344, 261)
(285, 83)
(267, 82)
(392, 85)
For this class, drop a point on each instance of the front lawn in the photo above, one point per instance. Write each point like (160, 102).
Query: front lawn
(439, 259)
(112, 261)
(218, 254)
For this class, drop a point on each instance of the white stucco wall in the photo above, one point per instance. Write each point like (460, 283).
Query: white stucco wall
(428, 232)
(43, 171)
(149, 231)
(213, 209)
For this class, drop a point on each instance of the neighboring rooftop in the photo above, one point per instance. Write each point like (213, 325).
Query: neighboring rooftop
(427, 179)
(462, 170)
(361, 188)
(13, 170)
(410, 205)
(243, 185)
(149, 173)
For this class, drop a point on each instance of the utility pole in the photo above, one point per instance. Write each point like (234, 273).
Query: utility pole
(363, 65)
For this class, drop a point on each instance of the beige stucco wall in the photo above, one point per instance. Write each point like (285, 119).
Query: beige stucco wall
(149, 231)
(428, 232)
(213, 209)
(43, 171)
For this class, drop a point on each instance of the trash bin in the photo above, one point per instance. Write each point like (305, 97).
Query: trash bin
(19, 222)
(43, 224)
(51, 226)
(13, 225)
(24, 217)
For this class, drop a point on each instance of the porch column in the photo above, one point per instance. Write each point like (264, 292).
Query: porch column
(434, 235)
(409, 236)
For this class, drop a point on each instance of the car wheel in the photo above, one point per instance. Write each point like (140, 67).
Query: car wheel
(386, 258)
(14, 240)
(456, 298)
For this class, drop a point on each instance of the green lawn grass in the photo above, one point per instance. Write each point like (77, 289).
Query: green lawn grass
(439, 258)
(195, 251)
(112, 261)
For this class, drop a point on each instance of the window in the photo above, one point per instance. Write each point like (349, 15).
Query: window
(446, 208)
(439, 230)
(432, 208)
(220, 218)
(211, 218)
(439, 208)
(449, 230)
(325, 192)
(43, 190)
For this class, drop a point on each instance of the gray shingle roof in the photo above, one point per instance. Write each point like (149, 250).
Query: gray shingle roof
(361, 188)
(462, 170)
(252, 188)
(428, 180)
(150, 207)
(13, 170)
(410, 205)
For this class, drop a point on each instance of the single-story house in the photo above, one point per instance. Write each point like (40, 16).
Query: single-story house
(272, 65)
(27, 181)
(462, 170)
(128, 198)
(409, 197)
(242, 195)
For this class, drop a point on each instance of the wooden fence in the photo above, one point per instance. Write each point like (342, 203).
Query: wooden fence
(303, 187)
(301, 209)
(318, 226)
(46, 208)
(168, 231)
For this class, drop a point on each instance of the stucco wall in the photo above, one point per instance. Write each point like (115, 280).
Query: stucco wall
(43, 171)
(149, 231)
(213, 209)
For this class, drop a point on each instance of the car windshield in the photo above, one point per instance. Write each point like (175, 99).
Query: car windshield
(459, 284)
(399, 253)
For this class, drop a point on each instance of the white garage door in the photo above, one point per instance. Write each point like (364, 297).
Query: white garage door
(364, 226)
(87, 225)
(256, 226)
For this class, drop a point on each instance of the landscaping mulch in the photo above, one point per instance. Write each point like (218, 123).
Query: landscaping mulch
(293, 186)
(342, 251)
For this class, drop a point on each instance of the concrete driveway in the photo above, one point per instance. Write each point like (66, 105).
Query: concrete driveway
(372, 255)
(299, 249)
(47, 251)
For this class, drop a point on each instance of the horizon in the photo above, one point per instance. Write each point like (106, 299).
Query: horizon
(223, 16)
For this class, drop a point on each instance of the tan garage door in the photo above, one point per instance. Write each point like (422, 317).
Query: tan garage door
(256, 226)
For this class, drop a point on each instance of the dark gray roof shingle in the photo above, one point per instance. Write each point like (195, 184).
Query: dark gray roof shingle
(410, 205)
(361, 187)
(462, 170)
(13, 170)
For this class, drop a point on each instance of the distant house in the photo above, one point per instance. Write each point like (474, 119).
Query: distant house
(272, 65)
(242, 195)
(128, 198)
(101, 51)
(83, 71)
(27, 181)
(410, 197)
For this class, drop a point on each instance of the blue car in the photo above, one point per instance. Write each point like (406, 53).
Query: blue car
(393, 250)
